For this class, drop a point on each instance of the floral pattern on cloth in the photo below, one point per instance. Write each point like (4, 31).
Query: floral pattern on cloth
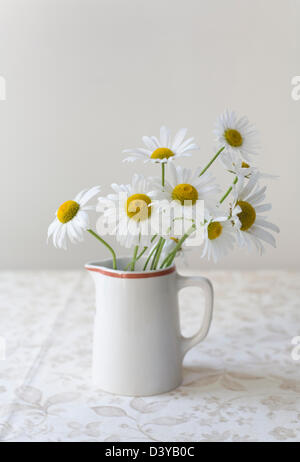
(240, 384)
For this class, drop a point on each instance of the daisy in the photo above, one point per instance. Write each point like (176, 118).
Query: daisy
(219, 237)
(251, 227)
(128, 212)
(163, 149)
(237, 166)
(184, 189)
(241, 169)
(72, 219)
(238, 136)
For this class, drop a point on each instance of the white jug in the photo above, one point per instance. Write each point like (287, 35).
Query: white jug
(138, 347)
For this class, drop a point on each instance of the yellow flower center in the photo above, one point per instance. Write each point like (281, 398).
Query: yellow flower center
(245, 165)
(185, 192)
(214, 230)
(162, 153)
(233, 137)
(137, 207)
(175, 239)
(67, 211)
(247, 216)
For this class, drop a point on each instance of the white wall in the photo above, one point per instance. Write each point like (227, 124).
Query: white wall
(87, 78)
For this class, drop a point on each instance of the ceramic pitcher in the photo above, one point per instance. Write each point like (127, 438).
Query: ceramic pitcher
(138, 347)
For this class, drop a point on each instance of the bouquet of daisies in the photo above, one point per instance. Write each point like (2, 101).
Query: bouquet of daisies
(161, 218)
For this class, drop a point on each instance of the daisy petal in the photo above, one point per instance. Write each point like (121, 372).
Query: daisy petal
(263, 235)
(89, 194)
(179, 137)
(267, 224)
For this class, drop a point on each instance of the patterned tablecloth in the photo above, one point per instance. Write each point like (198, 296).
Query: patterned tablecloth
(240, 384)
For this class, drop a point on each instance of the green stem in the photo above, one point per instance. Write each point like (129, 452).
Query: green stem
(132, 267)
(149, 257)
(228, 191)
(212, 160)
(159, 251)
(139, 256)
(170, 258)
(142, 253)
(161, 241)
(127, 266)
(106, 245)
(163, 171)
(155, 255)
(153, 238)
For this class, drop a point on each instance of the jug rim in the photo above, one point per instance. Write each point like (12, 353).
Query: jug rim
(104, 267)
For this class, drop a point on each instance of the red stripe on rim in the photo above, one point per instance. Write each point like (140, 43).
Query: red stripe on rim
(144, 275)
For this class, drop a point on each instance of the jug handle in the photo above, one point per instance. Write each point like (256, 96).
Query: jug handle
(206, 286)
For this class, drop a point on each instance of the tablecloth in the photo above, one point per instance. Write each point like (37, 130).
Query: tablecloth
(241, 384)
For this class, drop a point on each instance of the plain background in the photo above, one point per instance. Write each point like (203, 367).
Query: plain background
(86, 79)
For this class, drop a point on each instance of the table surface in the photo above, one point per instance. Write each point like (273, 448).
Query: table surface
(240, 384)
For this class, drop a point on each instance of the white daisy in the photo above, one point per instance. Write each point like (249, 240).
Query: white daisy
(237, 166)
(251, 227)
(219, 237)
(128, 212)
(72, 219)
(185, 188)
(241, 169)
(164, 149)
(238, 136)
